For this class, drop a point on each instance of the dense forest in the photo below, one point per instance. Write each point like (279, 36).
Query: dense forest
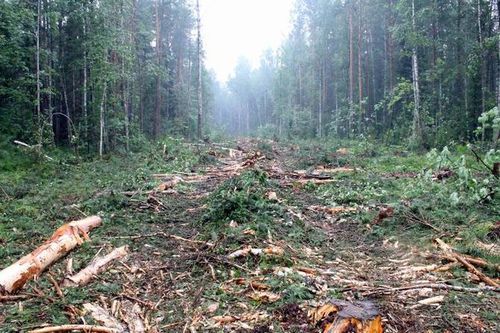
(98, 74)
(391, 70)
(101, 75)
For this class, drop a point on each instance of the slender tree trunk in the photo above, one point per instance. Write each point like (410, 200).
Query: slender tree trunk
(496, 33)
(85, 89)
(101, 122)
(417, 130)
(360, 67)
(351, 70)
(320, 100)
(481, 47)
(200, 85)
(38, 88)
(157, 115)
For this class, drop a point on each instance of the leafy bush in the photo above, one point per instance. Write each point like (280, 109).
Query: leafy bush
(241, 199)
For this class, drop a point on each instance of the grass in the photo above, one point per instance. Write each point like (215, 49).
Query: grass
(37, 196)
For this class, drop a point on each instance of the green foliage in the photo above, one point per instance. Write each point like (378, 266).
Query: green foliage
(470, 186)
(242, 199)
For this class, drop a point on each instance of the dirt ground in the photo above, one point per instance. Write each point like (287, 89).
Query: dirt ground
(183, 276)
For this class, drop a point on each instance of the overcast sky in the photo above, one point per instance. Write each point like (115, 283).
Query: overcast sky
(234, 28)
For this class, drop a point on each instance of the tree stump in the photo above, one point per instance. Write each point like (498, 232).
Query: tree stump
(339, 316)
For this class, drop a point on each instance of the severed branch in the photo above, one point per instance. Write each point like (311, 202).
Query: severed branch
(98, 265)
(69, 328)
(439, 286)
(22, 144)
(449, 251)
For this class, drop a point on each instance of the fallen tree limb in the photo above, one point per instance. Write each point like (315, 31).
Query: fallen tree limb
(69, 328)
(439, 286)
(98, 265)
(449, 251)
(22, 144)
(65, 239)
(13, 298)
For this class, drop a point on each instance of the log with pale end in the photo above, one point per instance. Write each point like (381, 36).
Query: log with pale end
(65, 239)
(97, 266)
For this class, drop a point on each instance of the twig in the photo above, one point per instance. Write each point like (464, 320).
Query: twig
(440, 286)
(69, 328)
(13, 298)
(164, 234)
(132, 298)
(479, 159)
(5, 193)
(56, 286)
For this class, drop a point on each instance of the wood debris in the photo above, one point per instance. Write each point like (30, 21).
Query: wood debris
(333, 210)
(98, 265)
(466, 263)
(102, 316)
(271, 250)
(339, 316)
(71, 328)
(65, 239)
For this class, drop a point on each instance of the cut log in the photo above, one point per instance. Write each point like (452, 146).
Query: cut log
(339, 316)
(65, 239)
(98, 265)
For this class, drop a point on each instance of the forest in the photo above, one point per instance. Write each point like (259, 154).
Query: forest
(346, 181)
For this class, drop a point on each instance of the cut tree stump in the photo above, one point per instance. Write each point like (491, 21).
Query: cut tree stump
(65, 239)
(339, 316)
(98, 265)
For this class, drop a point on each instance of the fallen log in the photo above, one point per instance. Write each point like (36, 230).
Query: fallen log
(339, 316)
(449, 251)
(98, 265)
(65, 239)
(70, 328)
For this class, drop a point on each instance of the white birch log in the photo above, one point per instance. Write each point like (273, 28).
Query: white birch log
(65, 239)
(98, 265)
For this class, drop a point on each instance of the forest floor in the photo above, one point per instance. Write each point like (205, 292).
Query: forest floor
(325, 221)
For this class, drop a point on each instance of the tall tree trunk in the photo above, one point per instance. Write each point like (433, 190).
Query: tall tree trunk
(417, 129)
(157, 115)
(360, 67)
(38, 88)
(320, 100)
(496, 33)
(481, 47)
(200, 86)
(85, 89)
(351, 70)
(101, 122)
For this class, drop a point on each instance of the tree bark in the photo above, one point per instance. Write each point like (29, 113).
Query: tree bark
(200, 63)
(38, 88)
(417, 130)
(496, 31)
(62, 241)
(157, 115)
(101, 122)
(98, 265)
(351, 69)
